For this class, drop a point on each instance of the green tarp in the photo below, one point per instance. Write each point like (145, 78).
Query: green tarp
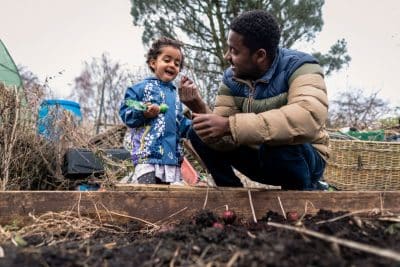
(377, 135)
(9, 74)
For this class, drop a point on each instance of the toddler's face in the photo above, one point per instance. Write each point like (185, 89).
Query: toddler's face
(167, 65)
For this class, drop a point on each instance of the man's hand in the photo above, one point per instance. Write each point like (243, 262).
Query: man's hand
(210, 126)
(189, 95)
(152, 111)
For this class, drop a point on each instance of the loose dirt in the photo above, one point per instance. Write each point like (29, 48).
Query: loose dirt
(198, 241)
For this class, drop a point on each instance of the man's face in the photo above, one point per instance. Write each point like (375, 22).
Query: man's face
(244, 64)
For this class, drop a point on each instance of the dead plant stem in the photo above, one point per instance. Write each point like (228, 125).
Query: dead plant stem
(97, 213)
(206, 198)
(343, 216)
(79, 204)
(234, 258)
(176, 253)
(252, 207)
(386, 253)
(108, 211)
(134, 218)
(282, 209)
(172, 215)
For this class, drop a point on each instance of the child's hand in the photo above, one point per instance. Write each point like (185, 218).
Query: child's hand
(188, 91)
(190, 96)
(187, 86)
(152, 111)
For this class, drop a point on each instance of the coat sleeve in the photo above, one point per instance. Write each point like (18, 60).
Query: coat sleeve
(183, 123)
(300, 121)
(131, 117)
(226, 106)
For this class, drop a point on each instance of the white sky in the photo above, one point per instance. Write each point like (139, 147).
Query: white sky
(49, 36)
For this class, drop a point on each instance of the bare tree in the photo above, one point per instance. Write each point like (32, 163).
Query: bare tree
(356, 109)
(100, 88)
(34, 91)
(203, 26)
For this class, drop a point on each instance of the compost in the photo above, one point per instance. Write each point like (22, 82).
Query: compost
(205, 239)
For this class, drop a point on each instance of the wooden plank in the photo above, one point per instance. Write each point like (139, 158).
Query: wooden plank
(155, 205)
(155, 187)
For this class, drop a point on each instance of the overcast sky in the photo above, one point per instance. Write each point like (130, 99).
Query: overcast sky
(49, 36)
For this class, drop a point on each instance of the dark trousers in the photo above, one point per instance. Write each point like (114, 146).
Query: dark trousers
(293, 167)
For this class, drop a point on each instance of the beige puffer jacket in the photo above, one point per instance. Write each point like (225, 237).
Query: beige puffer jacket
(299, 118)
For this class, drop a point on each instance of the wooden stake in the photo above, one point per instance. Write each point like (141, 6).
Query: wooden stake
(252, 207)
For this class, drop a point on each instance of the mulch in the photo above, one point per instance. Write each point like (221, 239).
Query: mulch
(342, 239)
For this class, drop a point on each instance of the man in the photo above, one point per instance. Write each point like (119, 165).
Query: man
(270, 111)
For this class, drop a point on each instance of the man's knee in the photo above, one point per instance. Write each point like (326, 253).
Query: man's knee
(291, 166)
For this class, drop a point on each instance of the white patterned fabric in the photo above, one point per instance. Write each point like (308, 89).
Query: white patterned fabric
(166, 173)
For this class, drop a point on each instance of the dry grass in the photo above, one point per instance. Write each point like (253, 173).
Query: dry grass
(57, 227)
(26, 161)
(29, 161)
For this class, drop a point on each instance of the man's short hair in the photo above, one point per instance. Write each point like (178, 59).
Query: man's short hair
(259, 30)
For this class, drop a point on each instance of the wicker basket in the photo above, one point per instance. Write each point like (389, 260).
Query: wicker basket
(364, 165)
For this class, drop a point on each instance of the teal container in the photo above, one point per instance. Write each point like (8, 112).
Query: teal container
(51, 111)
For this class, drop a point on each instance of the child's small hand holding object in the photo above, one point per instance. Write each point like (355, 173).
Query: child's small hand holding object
(152, 110)
(149, 110)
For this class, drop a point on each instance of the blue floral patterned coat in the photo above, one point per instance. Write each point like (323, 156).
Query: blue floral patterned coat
(155, 140)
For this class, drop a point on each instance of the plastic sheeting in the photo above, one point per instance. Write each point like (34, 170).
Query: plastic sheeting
(9, 74)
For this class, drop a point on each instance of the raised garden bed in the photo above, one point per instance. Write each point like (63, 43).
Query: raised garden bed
(175, 226)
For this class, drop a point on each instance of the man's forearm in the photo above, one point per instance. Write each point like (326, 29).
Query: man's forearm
(199, 107)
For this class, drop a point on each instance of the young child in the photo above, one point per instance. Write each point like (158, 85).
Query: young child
(156, 133)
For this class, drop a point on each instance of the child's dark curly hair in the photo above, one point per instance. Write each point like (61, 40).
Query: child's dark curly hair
(259, 30)
(158, 44)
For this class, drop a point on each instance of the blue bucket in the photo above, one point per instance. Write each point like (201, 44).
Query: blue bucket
(52, 110)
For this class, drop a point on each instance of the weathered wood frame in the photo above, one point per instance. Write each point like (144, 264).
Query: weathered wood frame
(154, 203)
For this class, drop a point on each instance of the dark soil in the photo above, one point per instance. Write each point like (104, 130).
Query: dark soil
(198, 241)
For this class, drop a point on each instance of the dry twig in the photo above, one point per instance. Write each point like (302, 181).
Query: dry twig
(343, 216)
(206, 198)
(234, 258)
(282, 209)
(170, 216)
(386, 253)
(395, 219)
(252, 207)
(176, 253)
(135, 218)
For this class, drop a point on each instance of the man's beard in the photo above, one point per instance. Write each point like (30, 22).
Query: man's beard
(254, 75)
